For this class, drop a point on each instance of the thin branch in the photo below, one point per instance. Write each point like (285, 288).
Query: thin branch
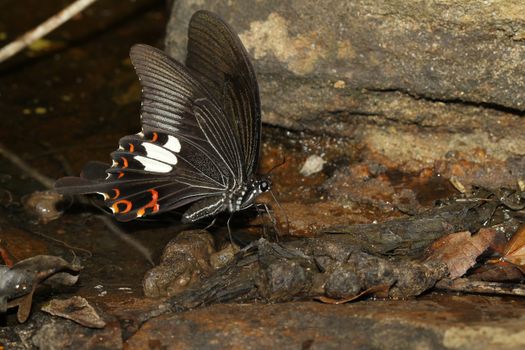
(52, 23)
(470, 286)
(132, 242)
(26, 168)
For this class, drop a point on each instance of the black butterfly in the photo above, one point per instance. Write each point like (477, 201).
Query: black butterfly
(201, 131)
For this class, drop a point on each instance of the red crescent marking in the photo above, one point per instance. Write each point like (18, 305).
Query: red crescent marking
(151, 204)
(127, 203)
(131, 148)
(125, 162)
(120, 174)
(155, 137)
(117, 193)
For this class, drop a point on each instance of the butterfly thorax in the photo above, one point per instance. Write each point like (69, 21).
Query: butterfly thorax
(246, 195)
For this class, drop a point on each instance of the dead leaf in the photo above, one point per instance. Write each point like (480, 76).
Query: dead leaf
(460, 250)
(76, 309)
(18, 283)
(515, 250)
(381, 289)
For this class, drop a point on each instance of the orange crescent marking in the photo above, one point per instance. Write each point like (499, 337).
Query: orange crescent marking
(131, 148)
(151, 204)
(120, 174)
(125, 162)
(117, 193)
(155, 137)
(127, 203)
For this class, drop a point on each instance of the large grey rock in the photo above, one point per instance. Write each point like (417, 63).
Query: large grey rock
(462, 50)
(414, 82)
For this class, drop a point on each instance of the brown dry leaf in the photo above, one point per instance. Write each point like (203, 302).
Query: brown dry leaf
(76, 309)
(460, 250)
(381, 289)
(515, 249)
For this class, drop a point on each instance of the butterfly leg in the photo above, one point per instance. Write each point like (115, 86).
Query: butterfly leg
(273, 221)
(210, 224)
(229, 229)
(259, 213)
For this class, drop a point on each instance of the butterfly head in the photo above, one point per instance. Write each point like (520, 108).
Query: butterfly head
(253, 189)
(263, 185)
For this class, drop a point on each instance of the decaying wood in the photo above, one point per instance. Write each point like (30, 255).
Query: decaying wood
(303, 269)
(336, 266)
(410, 236)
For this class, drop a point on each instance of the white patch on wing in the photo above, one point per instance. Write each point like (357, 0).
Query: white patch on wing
(106, 197)
(153, 165)
(172, 144)
(159, 153)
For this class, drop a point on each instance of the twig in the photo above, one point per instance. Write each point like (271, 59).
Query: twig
(30, 171)
(65, 244)
(470, 286)
(127, 238)
(43, 29)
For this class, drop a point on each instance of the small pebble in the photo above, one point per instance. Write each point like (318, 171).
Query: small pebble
(312, 165)
(339, 84)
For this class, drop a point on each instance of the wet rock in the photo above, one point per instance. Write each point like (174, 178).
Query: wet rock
(43, 205)
(184, 262)
(444, 322)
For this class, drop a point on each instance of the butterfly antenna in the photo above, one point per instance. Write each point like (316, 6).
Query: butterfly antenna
(276, 166)
(283, 211)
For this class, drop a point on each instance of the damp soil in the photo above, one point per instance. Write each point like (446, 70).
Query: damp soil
(69, 99)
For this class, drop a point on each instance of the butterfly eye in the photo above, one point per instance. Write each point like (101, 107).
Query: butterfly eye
(264, 186)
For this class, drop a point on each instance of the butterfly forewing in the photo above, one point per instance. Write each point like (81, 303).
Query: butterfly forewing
(218, 58)
(174, 106)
